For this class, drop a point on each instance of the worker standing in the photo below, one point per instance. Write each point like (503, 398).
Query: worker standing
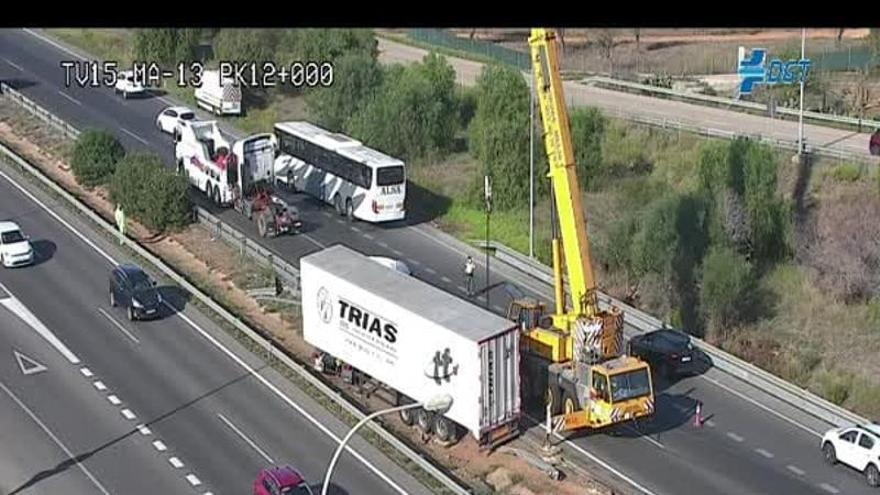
(469, 268)
(120, 223)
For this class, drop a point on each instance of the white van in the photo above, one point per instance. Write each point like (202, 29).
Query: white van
(221, 97)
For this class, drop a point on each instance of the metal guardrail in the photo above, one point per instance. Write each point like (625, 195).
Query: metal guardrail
(38, 111)
(839, 119)
(250, 248)
(771, 384)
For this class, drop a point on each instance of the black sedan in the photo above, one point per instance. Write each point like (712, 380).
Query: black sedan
(134, 290)
(669, 352)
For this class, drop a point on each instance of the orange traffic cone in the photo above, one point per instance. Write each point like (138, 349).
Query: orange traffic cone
(698, 416)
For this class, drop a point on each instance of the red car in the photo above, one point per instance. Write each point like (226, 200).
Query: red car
(281, 481)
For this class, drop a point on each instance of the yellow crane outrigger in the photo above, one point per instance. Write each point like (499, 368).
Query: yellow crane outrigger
(578, 349)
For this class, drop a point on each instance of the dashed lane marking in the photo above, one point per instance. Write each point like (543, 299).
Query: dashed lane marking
(431, 271)
(828, 488)
(100, 385)
(193, 480)
(796, 470)
(764, 453)
(144, 430)
(160, 446)
(128, 414)
(135, 136)
(368, 236)
(445, 279)
(10, 62)
(74, 100)
(734, 436)
(175, 462)
(114, 400)
(86, 372)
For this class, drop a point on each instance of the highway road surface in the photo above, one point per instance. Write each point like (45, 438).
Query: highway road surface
(622, 104)
(752, 443)
(94, 403)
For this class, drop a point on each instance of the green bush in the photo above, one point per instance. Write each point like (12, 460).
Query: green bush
(95, 156)
(623, 149)
(587, 132)
(846, 172)
(834, 386)
(864, 397)
(356, 77)
(150, 193)
(655, 243)
(727, 284)
(769, 216)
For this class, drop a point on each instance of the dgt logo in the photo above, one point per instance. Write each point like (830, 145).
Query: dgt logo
(756, 70)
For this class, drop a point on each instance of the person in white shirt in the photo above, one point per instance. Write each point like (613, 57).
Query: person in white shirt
(469, 268)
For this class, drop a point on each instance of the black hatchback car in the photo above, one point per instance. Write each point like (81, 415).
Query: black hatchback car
(669, 352)
(133, 289)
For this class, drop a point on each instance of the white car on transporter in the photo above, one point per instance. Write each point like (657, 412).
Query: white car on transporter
(169, 119)
(857, 447)
(15, 248)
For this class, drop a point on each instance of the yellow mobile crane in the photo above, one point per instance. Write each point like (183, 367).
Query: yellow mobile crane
(578, 350)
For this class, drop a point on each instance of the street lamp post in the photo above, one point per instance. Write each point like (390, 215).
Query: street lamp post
(437, 404)
(487, 190)
(801, 116)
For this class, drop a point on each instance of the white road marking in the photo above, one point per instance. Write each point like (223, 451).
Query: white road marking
(600, 462)
(397, 252)
(28, 365)
(55, 439)
(461, 288)
(761, 406)
(128, 414)
(10, 62)
(119, 326)
(144, 430)
(193, 480)
(290, 402)
(13, 304)
(86, 372)
(710, 423)
(134, 136)
(446, 279)
(314, 241)
(431, 270)
(382, 244)
(100, 386)
(246, 439)
(734, 436)
(53, 43)
(175, 462)
(62, 93)
(355, 229)
(413, 262)
(160, 446)
(114, 400)
(497, 307)
(368, 236)
(796, 470)
(220, 346)
(764, 453)
(828, 488)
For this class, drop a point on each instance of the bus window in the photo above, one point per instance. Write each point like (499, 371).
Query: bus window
(389, 176)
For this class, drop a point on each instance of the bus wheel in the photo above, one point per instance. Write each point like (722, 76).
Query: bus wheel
(349, 210)
(444, 429)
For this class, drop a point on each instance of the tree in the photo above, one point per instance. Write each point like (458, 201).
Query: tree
(656, 241)
(357, 77)
(414, 113)
(245, 45)
(151, 193)
(587, 133)
(326, 45)
(767, 214)
(874, 42)
(499, 134)
(166, 46)
(727, 286)
(605, 42)
(95, 157)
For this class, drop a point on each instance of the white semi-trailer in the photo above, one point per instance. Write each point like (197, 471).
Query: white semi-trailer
(417, 340)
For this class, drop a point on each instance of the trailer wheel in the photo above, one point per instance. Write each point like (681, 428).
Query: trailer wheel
(261, 225)
(424, 420)
(444, 429)
(407, 416)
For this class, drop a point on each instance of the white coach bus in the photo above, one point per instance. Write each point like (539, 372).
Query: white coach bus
(358, 181)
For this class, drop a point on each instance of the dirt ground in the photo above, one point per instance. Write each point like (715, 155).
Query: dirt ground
(217, 266)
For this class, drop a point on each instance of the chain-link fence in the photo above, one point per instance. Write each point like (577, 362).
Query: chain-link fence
(440, 37)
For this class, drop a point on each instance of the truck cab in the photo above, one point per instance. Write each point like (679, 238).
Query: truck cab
(205, 157)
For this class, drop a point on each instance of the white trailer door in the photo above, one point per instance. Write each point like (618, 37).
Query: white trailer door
(500, 395)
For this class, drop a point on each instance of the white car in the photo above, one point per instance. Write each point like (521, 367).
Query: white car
(15, 249)
(168, 119)
(392, 264)
(127, 85)
(856, 446)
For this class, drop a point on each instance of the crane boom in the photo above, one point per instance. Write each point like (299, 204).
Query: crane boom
(563, 173)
